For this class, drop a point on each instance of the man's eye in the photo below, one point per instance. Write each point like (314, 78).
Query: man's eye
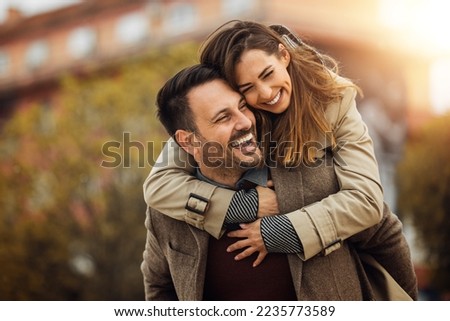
(243, 107)
(222, 118)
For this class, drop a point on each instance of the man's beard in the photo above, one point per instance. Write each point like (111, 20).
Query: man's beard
(215, 157)
(251, 161)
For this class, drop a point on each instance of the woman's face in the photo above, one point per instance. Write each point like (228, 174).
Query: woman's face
(264, 80)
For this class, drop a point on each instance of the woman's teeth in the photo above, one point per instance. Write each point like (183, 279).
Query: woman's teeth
(275, 100)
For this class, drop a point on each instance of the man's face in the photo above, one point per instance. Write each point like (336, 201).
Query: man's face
(226, 127)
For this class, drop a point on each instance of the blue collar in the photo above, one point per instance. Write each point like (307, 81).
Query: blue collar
(257, 176)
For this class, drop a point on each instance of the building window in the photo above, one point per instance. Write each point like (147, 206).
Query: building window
(133, 28)
(37, 54)
(4, 63)
(181, 17)
(232, 8)
(81, 42)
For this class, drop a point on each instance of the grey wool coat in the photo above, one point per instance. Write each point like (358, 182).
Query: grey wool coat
(372, 265)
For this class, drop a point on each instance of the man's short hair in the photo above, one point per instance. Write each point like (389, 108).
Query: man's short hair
(173, 108)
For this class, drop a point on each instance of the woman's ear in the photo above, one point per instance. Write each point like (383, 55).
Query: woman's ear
(285, 56)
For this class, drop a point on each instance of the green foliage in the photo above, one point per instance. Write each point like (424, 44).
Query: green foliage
(424, 194)
(71, 220)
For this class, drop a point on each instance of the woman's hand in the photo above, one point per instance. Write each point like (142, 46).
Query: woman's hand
(252, 242)
(268, 203)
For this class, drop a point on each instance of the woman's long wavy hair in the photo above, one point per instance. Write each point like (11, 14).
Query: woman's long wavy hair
(314, 86)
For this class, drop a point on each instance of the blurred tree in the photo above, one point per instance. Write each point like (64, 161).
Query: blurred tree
(72, 208)
(424, 195)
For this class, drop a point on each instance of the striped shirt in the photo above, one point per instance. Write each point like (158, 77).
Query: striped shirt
(277, 232)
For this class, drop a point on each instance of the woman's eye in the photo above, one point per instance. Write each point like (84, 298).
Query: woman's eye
(246, 90)
(268, 74)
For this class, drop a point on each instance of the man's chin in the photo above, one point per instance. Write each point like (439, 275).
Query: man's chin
(250, 161)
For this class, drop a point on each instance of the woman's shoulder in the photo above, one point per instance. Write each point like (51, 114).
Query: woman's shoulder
(336, 110)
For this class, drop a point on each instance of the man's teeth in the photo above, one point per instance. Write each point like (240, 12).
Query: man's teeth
(275, 100)
(242, 140)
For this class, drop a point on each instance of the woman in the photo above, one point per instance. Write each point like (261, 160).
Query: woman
(308, 110)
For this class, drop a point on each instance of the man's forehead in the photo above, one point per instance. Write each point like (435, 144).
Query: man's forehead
(216, 86)
(213, 96)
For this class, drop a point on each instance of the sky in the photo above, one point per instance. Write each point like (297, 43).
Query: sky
(30, 7)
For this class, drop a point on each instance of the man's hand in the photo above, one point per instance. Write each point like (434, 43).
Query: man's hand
(268, 203)
(252, 242)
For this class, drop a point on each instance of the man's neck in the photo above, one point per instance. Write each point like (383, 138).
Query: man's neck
(223, 176)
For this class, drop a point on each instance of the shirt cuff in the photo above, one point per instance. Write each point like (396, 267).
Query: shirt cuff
(279, 235)
(243, 207)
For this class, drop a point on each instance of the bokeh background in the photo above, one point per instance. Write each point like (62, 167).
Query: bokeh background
(78, 133)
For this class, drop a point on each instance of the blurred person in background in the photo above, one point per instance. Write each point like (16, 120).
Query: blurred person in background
(383, 111)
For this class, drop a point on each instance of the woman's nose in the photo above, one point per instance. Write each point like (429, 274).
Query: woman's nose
(264, 92)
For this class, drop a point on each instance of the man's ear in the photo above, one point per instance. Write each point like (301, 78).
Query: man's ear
(186, 140)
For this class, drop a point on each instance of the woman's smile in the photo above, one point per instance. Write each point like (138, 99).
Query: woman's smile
(274, 100)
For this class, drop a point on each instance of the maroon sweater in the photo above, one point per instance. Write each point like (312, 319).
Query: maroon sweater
(230, 280)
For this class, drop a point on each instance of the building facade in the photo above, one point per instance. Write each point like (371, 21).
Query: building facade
(93, 35)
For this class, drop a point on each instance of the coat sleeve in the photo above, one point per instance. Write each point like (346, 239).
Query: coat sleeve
(323, 225)
(172, 175)
(158, 285)
(387, 244)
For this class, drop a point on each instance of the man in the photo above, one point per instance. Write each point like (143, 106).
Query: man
(213, 124)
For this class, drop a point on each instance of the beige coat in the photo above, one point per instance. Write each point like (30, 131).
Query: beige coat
(321, 225)
(176, 253)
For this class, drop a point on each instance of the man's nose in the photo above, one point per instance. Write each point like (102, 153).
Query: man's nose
(243, 122)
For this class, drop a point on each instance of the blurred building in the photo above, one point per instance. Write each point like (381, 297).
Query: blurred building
(93, 35)
(392, 62)
(98, 35)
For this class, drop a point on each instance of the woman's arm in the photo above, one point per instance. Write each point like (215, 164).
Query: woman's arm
(323, 225)
(384, 242)
(172, 189)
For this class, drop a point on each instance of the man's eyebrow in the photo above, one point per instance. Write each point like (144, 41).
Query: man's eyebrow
(261, 74)
(226, 109)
